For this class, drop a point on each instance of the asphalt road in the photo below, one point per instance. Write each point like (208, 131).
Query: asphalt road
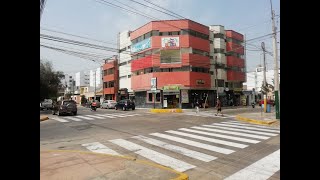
(208, 146)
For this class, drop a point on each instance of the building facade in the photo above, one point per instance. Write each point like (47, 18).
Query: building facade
(111, 79)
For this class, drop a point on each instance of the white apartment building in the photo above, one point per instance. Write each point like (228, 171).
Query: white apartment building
(255, 79)
(82, 79)
(217, 57)
(69, 83)
(95, 78)
(125, 61)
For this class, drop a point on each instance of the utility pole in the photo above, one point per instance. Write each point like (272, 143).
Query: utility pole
(216, 76)
(275, 56)
(264, 77)
(95, 84)
(102, 74)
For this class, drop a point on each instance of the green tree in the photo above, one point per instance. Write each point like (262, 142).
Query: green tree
(50, 80)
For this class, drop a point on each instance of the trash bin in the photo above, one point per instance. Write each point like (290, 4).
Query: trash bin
(268, 108)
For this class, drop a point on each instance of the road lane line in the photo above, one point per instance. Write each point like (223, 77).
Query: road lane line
(247, 124)
(73, 119)
(83, 117)
(222, 136)
(230, 132)
(59, 119)
(187, 152)
(217, 141)
(242, 130)
(106, 115)
(153, 155)
(194, 143)
(262, 169)
(94, 116)
(99, 148)
(250, 128)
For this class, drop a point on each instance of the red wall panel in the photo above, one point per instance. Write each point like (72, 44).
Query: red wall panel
(235, 48)
(141, 63)
(234, 35)
(234, 61)
(235, 76)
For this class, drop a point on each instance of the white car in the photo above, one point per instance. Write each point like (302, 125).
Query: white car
(108, 104)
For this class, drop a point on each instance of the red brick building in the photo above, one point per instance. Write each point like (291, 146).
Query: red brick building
(110, 79)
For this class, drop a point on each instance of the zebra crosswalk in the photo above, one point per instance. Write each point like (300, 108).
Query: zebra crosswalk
(66, 119)
(207, 114)
(203, 143)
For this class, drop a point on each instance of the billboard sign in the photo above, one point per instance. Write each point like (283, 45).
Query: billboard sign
(145, 44)
(170, 42)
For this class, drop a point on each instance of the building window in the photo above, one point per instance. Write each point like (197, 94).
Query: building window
(220, 83)
(218, 50)
(129, 76)
(149, 97)
(226, 84)
(158, 97)
(170, 56)
(218, 35)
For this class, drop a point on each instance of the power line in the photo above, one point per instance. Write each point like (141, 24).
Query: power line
(165, 9)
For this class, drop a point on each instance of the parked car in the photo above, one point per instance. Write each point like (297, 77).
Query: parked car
(271, 102)
(65, 107)
(108, 104)
(46, 104)
(125, 104)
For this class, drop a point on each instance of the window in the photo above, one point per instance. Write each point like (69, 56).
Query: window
(147, 35)
(170, 56)
(184, 32)
(149, 97)
(110, 84)
(218, 35)
(160, 33)
(129, 76)
(165, 33)
(155, 33)
(176, 33)
(110, 71)
(220, 83)
(158, 97)
(226, 84)
(218, 50)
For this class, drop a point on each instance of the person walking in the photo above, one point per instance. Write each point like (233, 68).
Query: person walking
(218, 106)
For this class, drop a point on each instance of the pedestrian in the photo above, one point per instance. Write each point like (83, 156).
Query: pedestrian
(197, 104)
(218, 106)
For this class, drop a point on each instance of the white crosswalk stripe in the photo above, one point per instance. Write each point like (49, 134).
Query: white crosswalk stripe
(194, 143)
(86, 118)
(247, 124)
(154, 156)
(99, 148)
(243, 127)
(94, 116)
(222, 136)
(187, 152)
(106, 115)
(262, 169)
(59, 119)
(206, 114)
(217, 141)
(73, 118)
(241, 130)
(230, 132)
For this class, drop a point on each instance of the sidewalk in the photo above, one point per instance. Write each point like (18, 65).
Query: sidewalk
(66, 164)
(260, 118)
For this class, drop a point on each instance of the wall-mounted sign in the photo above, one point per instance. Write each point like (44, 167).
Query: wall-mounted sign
(141, 45)
(170, 42)
(177, 88)
(237, 89)
(153, 84)
(200, 82)
(184, 96)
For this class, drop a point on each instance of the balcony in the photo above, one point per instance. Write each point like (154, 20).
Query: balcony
(236, 76)
(234, 35)
(233, 61)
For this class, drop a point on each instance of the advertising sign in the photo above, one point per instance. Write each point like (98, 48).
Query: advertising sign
(170, 42)
(145, 44)
(171, 88)
(184, 96)
(153, 84)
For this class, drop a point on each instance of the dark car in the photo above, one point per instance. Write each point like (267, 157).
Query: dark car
(65, 107)
(125, 104)
(271, 102)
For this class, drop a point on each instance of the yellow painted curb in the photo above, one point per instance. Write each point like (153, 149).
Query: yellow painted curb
(254, 121)
(43, 118)
(166, 110)
(181, 176)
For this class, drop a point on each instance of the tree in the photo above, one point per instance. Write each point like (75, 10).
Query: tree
(50, 80)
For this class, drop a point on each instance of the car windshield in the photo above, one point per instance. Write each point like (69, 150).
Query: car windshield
(68, 102)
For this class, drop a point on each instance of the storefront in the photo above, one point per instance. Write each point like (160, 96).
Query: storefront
(171, 96)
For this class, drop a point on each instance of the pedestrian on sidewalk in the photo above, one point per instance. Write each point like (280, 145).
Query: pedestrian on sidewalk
(197, 104)
(218, 106)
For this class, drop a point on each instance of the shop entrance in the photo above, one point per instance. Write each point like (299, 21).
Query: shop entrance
(172, 100)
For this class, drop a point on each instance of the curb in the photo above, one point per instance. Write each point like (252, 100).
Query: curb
(254, 121)
(166, 110)
(182, 176)
(43, 118)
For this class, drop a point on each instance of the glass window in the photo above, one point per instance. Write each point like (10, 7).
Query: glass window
(218, 35)
(220, 83)
(155, 33)
(175, 33)
(158, 97)
(165, 33)
(150, 97)
(147, 35)
(184, 32)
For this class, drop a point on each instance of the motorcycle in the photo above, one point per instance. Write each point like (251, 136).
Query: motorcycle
(93, 106)
(253, 104)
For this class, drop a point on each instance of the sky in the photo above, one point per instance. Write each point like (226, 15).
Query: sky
(94, 20)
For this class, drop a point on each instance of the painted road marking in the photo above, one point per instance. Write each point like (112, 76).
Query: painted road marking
(153, 155)
(243, 127)
(198, 115)
(187, 152)
(59, 119)
(241, 130)
(230, 132)
(222, 136)
(105, 115)
(217, 141)
(194, 143)
(247, 124)
(73, 119)
(98, 117)
(262, 169)
(99, 148)
(83, 117)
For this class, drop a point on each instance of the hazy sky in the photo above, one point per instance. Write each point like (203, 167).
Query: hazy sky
(94, 20)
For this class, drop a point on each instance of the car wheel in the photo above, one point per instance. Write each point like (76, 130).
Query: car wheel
(74, 113)
(133, 108)
(123, 108)
(53, 113)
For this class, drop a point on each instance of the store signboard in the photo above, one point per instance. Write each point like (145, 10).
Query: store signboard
(184, 96)
(145, 44)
